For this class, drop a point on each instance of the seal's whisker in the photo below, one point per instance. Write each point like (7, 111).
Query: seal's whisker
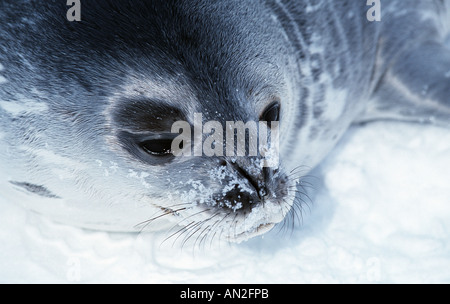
(191, 234)
(204, 235)
(304, 183)
(186, 218)
(178, 205)
(175, 233)
(207, 229)
(306, 168)
(303, 201)
(184, 229)
(223, 228)
(285, 206)
(214, 234)
(291, 219)
(146, 223)
(167, 211)
(231, 225)
(302, 179)
(217, 223)
(297, 209)
(187, 230)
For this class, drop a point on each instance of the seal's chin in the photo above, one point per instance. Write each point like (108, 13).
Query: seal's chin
(260, 230)
(234, 205)
(261, 219)
(207, 222)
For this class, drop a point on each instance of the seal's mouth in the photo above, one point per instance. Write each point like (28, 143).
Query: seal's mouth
(232, 205)
(260, 230)
(229, 221)
(262, 218)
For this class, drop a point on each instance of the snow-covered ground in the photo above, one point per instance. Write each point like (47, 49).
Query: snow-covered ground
(381, 214)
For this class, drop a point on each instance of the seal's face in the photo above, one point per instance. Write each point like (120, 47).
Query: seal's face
(235, 197)
(117, 82)
(224, 75)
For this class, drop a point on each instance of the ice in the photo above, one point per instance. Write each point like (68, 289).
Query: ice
(381, 214)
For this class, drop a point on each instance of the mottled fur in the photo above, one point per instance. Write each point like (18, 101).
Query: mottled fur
(80, 97)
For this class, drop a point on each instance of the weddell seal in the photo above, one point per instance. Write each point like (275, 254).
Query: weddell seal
(87, 108)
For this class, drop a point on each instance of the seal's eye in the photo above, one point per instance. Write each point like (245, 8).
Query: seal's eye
(272, 112)
(161, 146)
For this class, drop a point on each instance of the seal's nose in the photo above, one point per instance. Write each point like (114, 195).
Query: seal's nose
(253, 179)
(263, 193)
(247, 186)
(257, 179)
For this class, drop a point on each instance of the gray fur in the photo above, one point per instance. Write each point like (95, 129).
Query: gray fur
(77, 99)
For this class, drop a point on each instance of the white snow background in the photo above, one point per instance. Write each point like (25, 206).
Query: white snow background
(381, 214)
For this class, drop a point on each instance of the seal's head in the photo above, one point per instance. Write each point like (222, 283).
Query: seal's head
(123, 76)
(207, 73)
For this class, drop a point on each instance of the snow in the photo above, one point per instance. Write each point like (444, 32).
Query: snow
(380, 214)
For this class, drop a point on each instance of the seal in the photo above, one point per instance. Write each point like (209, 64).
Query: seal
(87, 108)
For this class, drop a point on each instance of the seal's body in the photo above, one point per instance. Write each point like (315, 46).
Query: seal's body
(86, 108)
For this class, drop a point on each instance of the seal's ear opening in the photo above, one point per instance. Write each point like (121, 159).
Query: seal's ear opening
(271, 113)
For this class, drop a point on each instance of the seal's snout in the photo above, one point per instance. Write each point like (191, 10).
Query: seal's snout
(236, 199)
(257, 180)
(245, 185)
(248, 199)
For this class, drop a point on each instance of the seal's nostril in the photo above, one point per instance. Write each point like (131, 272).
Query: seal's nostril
(257, 182)
(263, 192)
